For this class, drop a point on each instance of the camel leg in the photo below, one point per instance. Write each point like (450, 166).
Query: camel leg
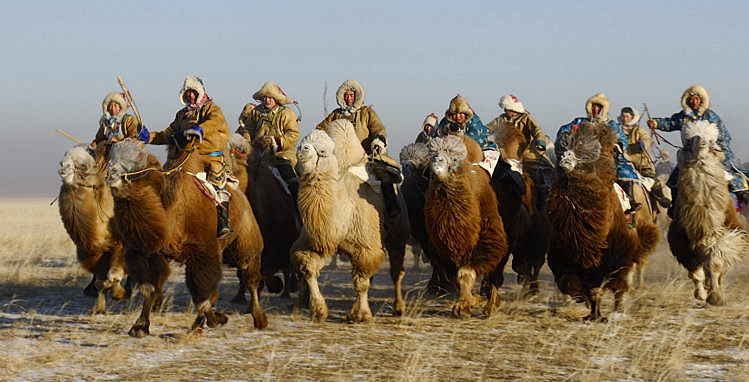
(114, 277)
(698, 278)
(439, 284)
(641, 273)
(252, 283)
(360, 311)
(466, 300)
(492, 301)
(290, 282)
(240, 298)
(396, 275)
(716, 294)
(202, 276)
(596, 294)
(309, 265)
(149, 272)
(101, 297)
(90, 289)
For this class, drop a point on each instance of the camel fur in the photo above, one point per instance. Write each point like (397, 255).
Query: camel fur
(528, 231)
(86, 207)
(705, 235)
(592, 249)
(415, 163)
(462, 218)
(343, 214)
(162, 215)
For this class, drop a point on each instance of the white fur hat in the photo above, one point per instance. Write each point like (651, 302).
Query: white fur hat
(192, 83)
(510, 102)
(431, 119)
(114, 97)
(272, 90)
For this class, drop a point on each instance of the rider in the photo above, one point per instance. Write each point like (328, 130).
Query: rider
(115, 124)
(371, 133)
(202, 120)
(532, 153)
(638, 148)
(597, 108)
(276, 123)
(695, 104)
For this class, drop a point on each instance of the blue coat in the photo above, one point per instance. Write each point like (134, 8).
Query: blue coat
(474, 129)
(681, 119)
(624, 168)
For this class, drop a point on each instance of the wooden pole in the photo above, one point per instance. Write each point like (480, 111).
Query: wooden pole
(67, 135)
(130, 100)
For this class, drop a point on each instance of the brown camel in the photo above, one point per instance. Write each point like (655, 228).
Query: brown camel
(163, 215)
(463, 222)
(705, 235)
(86, 208)
(592, 248)
(343, 214)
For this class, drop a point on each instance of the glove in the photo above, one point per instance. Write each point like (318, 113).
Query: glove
(541, 145)
(640, 146)
(144, 136)
(378, 146)
(195, 132)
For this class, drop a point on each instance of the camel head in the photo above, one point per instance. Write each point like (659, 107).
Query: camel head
(238, 146)
(315, 154)
(700, 139)
(447, 154)
(78, 166)
(414, 158)
(126, 156)
(584, 148)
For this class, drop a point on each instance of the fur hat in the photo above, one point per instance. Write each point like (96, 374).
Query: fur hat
(272, 90)
(358, 94)
(635, 116)
(431, 119)
(700, 91)
(510, 102)
(602, 100)
(114, 97)
(458, 105)
(192, 83)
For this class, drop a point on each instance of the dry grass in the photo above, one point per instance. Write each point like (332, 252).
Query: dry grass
(46, 333)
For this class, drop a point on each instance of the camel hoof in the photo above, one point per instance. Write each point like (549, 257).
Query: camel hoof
(716, 299)
(139, 331)
(700, 294)
(398, 310)
(98, 311)
(218, 320)
(320, 314)
(90, 290)
(460, 311)
(260, 321)
(594, 318)
(359, 318)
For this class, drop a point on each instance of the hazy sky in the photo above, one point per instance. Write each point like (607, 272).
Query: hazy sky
(60, 58)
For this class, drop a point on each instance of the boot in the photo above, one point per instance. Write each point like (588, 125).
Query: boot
(391, 202)
(657, 193)
(223, 228)
(629, 188)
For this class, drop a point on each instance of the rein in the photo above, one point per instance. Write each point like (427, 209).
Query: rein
(133, 176)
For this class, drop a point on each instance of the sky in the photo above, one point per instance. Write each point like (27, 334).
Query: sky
(60, 59)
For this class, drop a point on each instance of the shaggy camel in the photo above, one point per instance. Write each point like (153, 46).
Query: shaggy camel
(592, 249)
(342, 213)
(646, 216)
(528, 231)
(463, 222)
(86, 207)
(163, 215)
(705, 235)
(415, 162)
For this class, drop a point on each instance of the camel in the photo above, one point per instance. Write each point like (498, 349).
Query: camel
(162, 215)
(645, 219)
(462, 218)
(86, 207)
(592, 248)
(528, 230)
(705, 235)
(415, 162)
(275, 209)
(343, 214)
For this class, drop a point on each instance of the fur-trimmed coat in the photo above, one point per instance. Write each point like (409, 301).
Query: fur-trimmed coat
(209, 117)
(281, 123)
(530, 129)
